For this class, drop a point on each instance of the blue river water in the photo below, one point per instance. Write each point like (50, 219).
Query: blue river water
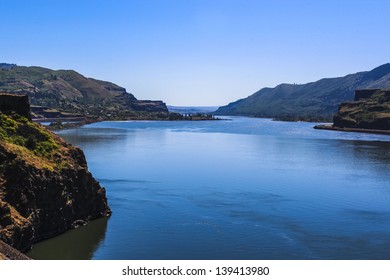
(239, 188)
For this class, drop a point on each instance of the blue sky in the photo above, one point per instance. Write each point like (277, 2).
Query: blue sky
(197, 52)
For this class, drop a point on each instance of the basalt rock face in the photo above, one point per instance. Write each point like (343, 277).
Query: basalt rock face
(45, 185)
(149, 106)
(370, 110)
(15, 103)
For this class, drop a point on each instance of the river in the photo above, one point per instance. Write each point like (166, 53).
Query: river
(239, 188)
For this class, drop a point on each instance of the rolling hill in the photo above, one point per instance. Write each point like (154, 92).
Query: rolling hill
(62, 93)
(312, 101)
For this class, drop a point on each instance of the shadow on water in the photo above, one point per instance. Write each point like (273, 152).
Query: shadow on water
(373, 155)
(76, 244)
(376, 150)
(94, 136)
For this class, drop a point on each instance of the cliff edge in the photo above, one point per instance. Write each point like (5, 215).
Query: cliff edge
(13, 103)
(45, 185)
(369, 110)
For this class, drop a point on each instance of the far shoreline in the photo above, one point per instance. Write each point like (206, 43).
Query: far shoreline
(57, 124)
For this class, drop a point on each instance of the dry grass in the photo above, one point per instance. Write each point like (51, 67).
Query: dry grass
(29, 157)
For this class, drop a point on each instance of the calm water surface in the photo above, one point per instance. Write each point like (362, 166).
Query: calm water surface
(235, 189)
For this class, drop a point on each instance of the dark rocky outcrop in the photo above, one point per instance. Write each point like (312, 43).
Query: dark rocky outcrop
(370, 110)
(364, 94)
(13, 103)
(45, 185)
(149, 106)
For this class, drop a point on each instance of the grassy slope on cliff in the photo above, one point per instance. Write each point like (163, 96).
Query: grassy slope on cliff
(30, 142)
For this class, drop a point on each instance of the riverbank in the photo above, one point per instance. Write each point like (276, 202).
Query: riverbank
(61, 123)
(345, 129)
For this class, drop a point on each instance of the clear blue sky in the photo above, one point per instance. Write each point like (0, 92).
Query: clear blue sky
(197, 52)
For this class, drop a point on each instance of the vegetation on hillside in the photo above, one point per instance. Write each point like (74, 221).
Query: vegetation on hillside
(312, 101)
(66, 93)
(30, 142)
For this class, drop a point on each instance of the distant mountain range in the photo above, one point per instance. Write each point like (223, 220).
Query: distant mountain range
(312, 101)
(64, 93)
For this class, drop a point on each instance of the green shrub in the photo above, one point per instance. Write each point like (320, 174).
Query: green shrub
(20, 131)
(3, 134)
(45, 148)
(20, 118)
(31, 142)
(8, 124)
(18, 140)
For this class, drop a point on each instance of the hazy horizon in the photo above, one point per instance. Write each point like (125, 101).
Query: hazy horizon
(197, 53)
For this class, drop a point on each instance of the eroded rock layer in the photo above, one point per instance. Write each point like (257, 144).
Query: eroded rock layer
(370, 110)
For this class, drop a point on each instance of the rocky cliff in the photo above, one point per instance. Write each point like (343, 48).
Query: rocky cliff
(369, 110)
(12, 103)
(45, 185)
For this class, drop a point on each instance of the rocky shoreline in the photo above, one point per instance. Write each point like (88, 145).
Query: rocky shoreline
(368, 113)
(346, 129)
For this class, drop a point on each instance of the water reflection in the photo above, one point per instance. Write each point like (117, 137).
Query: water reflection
(372, 156)
(76, 244)
(377, 151)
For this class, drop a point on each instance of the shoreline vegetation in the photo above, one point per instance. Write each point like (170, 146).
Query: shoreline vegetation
(68, 123)
(318, 119)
